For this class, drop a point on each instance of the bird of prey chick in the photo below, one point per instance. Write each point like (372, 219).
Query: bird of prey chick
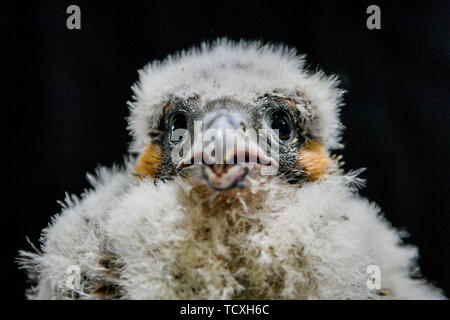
(230, 192)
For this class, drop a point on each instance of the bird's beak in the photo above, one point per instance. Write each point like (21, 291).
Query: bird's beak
(227, 150)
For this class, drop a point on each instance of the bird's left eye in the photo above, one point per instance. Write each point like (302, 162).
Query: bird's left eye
(279, 120)
(178, 126)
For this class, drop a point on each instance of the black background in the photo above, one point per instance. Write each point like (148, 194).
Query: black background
(66, 93)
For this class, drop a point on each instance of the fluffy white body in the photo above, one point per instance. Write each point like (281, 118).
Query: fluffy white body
(160, 241)
(315, 242)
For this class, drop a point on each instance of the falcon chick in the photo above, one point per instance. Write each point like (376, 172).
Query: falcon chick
(232, 194)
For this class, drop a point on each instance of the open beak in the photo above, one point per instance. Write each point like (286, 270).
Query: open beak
(227, 150)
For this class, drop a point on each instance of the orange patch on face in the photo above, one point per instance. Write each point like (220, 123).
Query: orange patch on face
(314, 159)
(149, 163)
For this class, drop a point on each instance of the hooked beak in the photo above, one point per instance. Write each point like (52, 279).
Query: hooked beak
(227, 150)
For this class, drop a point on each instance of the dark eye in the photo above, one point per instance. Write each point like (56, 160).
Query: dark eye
(279, 120)
(178, 125)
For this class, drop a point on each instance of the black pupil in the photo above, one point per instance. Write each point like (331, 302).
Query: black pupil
(178, 122)
(280, 122)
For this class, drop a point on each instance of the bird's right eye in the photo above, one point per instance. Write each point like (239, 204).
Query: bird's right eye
(178, 126)
(279, 120)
